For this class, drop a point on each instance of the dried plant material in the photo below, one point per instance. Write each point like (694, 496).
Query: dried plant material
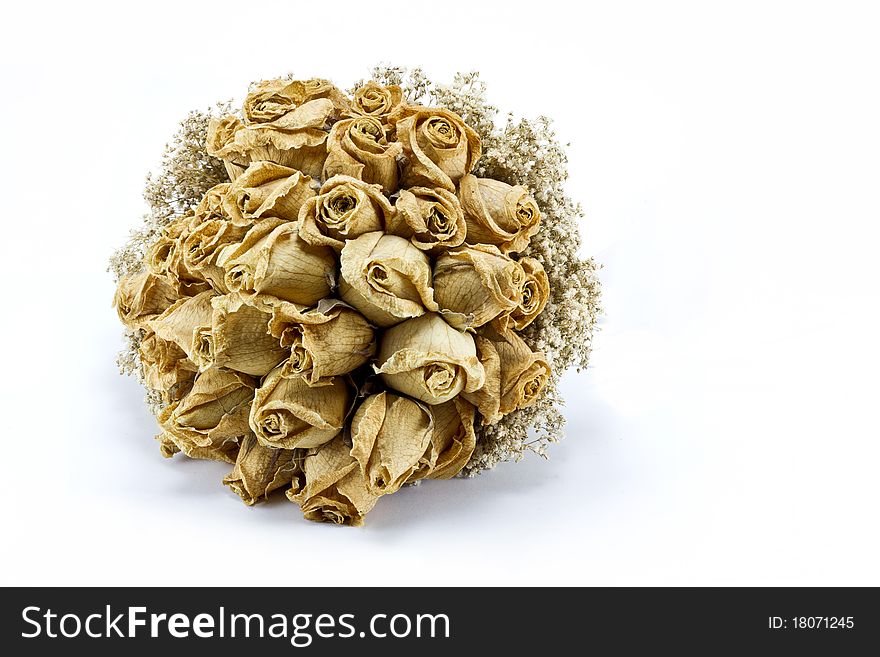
(431, 218)
(515, 374)
(259, 470)
(213, 413)
(359, 148)
(183, 320)
(477, 283)
(390, 435)
(429, 360)
(386, 278)
(166, 366)
(452, 440)
(376, 100)
(535, 294)
(266, 189)
(498, 213)
(439, 147)
(335, 489)
(346, 208)
(330, 340)
(289, 413)
(140, 297)
(239, 339)
(433, 323)
(274, 260)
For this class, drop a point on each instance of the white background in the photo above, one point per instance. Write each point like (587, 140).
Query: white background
(728, 157)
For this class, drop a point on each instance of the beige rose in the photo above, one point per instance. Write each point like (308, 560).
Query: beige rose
(359, 148)
(498, 213)
(515, 375)
(327, 341)
(266, 189)
(169, 446)
(140, 297)
(345, 209)
(452, 440)
(477, 284)
(429, 360)
(166, 366)
(386, 278)
(288, 413)
(211, 205)
(165, 258)
(431, 218)
(298, 140)
(214, 412)
(439, 147)
(259, 470)
(184, 322)
(238, 338)
(201, 247)
(390, 435)
(535, 293)
(274, 260)
(271, 100)
(333, 488)
(376, 100)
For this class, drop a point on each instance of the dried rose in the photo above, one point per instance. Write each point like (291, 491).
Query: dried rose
(211, 205)
(259, 470)
(429, 360)
(184, 321)
(166, 366)
(452, 440)
(270, 100)
(376, 100)
(439, 147)
(515, 375)
(214, 412)
(359, 148)
(477, 284)
(220, 143)
(345, 209)
(386, 278)
(265, 190)
(238, 338)
(431, 218)
(498, 213)
(141, 297)
(274, 260)
(288, 413)
(535, 293)
(390, 435)
(330, 340)
(334, 488)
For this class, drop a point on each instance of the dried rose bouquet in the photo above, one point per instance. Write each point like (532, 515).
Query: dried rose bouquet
(340, 294)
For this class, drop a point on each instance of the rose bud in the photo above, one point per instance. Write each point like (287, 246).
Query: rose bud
(498, 213)
(288, 413)
(477, 284)
(141, 297)
(535, 293)
(273, 260)
(345, 209)
(429, 360)
(334, 488)
(452, 440)
(386, 278)
(375, 100)
(359, 148)
(259, 470)
(390, 434)
(439, 147)
(431, 218)
(515, 375)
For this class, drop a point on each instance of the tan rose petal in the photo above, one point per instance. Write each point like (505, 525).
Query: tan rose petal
(273, 260)
(439, 147)
(259, 470)
(335, 489)
(477, 283)
(345, 209)
(288, 413)
(498, 213)
(386, 278)
(140, 297)
(431, 218)
(389, 435)
(359, 148)
(429, 360)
